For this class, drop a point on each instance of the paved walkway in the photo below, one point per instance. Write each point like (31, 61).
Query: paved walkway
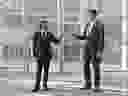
(20, 84)
(18, 88)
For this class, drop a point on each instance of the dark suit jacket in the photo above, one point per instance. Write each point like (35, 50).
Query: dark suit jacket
(42, 46)
(96, 37)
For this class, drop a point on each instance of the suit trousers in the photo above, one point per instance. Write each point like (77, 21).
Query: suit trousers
(42, 62)
(91, 57)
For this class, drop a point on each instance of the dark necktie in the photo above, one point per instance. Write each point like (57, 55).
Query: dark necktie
(88, 26)
(44, 34)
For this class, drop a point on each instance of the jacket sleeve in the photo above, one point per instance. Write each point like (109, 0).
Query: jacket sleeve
(81, 37)
(101, 37)
(54, 39)
(84, 36)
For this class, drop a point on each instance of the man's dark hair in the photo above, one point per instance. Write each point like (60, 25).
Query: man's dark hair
(93, 11)
(44, 22)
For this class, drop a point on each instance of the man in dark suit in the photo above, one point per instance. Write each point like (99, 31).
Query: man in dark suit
(94, 34)
(43, 53)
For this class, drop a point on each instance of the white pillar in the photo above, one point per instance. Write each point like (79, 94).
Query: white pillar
(58, 31)
(124, 35)
(60, 20)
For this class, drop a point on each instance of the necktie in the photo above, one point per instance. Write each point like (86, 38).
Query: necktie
(88, 29)
(44, 34)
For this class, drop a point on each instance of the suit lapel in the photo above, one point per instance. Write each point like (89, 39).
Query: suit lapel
(93, 27)
(44, 35)
(92, 30)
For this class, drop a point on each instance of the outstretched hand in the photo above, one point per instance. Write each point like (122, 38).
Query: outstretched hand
(73, 34)
(61, 36)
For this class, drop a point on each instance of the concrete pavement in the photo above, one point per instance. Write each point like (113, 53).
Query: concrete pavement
(21, 83)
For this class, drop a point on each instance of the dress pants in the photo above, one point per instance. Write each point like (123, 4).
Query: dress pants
(91, 57)
(42, 62)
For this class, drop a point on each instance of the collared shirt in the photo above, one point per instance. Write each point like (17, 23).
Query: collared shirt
(43, 33)
(90, 26)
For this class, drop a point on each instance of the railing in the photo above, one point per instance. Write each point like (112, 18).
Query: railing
(17, 52)
(19, 58)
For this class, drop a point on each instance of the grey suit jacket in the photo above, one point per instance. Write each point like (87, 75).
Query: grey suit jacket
(96, 37)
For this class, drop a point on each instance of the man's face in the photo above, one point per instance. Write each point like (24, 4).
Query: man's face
(91, 16)
(44, 27)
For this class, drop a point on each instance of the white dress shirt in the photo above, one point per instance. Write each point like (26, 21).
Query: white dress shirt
(43, 33)
(91, 24)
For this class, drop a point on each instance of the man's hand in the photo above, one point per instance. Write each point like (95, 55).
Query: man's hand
(61, 36)
(73, 34)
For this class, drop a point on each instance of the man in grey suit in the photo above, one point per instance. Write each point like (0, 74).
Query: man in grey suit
(94, 34)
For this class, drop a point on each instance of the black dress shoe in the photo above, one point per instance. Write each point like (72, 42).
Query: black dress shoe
(86, 88)
(35, 90)
(98, 90)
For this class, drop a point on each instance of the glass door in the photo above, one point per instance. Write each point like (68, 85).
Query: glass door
(72, 47)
